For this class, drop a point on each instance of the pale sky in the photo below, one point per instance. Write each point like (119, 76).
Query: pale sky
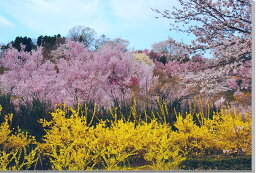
(132, 20)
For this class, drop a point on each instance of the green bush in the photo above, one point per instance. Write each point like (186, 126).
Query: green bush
(26, 118)
(236, 163)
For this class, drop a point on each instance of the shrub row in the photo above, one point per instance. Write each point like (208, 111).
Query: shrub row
(72, 142)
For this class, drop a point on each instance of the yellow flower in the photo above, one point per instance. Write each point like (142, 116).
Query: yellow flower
(142, 58)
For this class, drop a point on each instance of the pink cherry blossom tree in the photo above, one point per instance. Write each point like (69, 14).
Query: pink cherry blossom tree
(27, 76)
(75, 74)
(223, 26)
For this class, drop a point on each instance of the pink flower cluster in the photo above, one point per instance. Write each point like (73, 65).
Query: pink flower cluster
(74, 74)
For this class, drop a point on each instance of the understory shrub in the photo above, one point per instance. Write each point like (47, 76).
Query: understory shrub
(73, 141)
(237, 163)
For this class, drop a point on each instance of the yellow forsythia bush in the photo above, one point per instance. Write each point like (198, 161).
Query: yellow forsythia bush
(71, 141)
(14, 147)
(73, 145)
(227, 133)
(192, 139)
(234, 132)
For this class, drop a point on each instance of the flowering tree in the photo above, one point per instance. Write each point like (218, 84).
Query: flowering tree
(27, 75)
(99, 76)
(119, 73)
(178, 80)
(200, 76)
(171, 50)
(75, 74)
(223, 26)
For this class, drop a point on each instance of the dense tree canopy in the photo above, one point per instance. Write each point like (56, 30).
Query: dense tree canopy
(25, 41)
(75, 74)
(105, 70)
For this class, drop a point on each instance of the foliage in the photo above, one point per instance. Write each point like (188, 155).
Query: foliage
(113, 144)
(49, 43)
(15, 153)
(5, 101)
(229, 163)
(226, 132)
(124, 122)
(73, 145)
(23, 43)
(27, 117)
(72, 142)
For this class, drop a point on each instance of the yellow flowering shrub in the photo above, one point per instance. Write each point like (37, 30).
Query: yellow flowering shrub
(158, 143)
(123, 142)
(67, 142)
(234, 132)
(14, 152)
(228, 133)
(5, 130)
(71, 141)
(194, 140)
(84, 147)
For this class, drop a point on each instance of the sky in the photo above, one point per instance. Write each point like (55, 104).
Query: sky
(132, 20)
